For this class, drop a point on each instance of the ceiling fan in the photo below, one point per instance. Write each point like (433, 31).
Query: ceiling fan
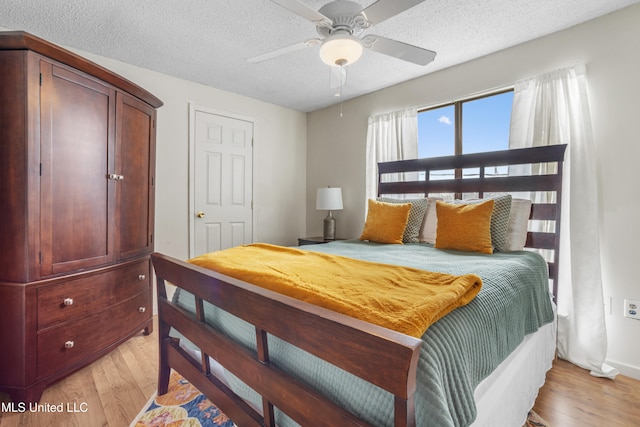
(341, 22)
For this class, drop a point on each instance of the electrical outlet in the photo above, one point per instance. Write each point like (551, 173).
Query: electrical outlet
(632, 309)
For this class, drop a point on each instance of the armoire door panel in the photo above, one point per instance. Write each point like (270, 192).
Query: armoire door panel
(135, 164)
(76, 157)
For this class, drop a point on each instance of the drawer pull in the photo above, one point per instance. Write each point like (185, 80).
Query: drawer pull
(69, 344)
(141, 277)
(142, 309)
(68, 301)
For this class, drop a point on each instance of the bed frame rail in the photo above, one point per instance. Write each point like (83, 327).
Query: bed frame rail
(383, 357)
(551, 182)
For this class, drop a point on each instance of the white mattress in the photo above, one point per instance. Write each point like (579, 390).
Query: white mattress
(505, 397)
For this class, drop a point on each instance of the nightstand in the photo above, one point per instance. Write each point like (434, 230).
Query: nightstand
(313, 240)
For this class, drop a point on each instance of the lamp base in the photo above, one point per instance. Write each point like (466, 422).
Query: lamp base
(329, 227)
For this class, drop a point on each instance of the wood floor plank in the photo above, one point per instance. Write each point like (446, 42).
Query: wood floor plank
(117, 389)
(142, 360)
(75, 393)
(114, 389)
(117, 386)
(572, 397)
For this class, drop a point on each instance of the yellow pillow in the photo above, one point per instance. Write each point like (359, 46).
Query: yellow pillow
(386, 222)
(465, 227)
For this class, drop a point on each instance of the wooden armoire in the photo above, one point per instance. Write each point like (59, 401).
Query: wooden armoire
(77, 171)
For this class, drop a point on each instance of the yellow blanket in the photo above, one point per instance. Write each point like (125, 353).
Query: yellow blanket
(404, 299)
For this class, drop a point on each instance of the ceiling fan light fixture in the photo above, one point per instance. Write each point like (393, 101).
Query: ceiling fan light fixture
(341, 49)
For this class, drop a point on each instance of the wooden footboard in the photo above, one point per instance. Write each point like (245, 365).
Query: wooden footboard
(380, 356)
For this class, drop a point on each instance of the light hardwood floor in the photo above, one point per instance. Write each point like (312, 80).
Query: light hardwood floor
(115, 388)
(111, 391)
(572, 397)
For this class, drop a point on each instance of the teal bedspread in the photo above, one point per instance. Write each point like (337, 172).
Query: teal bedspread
(459, 350)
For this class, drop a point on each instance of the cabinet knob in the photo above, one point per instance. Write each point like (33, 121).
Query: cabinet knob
(200, 214)
(142, 309)
(69, 344)
(68, 301)
(141, 277)
(116, 177)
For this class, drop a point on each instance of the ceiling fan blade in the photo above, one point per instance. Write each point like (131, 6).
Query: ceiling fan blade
(385, 9)
(284, 51)
(305, 11)
(399, 50)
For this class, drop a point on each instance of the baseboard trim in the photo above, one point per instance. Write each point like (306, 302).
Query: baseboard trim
(625, 369)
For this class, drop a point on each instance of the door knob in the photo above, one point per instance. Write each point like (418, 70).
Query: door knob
(200, 214)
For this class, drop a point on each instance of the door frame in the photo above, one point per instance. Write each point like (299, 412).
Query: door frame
(193, 108)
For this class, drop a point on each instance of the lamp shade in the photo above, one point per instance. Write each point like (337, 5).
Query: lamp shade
(340, 49)
(329, 199)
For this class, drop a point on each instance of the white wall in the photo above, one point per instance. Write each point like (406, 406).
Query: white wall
(609, 48)
(279, 170)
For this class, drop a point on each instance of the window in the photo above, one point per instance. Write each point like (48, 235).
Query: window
(463, 127)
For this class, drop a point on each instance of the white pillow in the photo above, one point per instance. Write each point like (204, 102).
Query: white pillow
(430, 222)
(518, 224)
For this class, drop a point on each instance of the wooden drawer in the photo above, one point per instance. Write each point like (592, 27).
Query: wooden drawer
(91, 294)
(63, 346)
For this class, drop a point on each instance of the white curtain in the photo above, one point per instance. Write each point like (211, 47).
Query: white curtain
(392, 136)
(553, 109)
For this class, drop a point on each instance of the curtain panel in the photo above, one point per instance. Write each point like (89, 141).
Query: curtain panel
(553, 109)
(391, 136)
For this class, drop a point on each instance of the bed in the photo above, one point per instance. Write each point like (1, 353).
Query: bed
(265, 358)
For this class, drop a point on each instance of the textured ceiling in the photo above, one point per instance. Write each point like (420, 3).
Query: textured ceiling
(209, 41)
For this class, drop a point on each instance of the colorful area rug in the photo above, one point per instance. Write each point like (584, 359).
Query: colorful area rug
(534, 420)
(182, 406)
(185, 406)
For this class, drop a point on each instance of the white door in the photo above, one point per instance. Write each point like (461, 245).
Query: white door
(221, 181)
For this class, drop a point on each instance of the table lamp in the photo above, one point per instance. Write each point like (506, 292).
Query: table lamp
(329, 199)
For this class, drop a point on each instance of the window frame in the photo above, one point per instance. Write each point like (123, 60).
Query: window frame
(458, 120)
(457, 113)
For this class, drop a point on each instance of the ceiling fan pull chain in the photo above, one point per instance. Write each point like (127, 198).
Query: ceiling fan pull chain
(343, 73)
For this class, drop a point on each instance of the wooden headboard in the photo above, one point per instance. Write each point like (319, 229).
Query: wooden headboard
(484, 183)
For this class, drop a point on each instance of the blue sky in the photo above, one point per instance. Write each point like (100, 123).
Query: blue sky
(485, 127)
